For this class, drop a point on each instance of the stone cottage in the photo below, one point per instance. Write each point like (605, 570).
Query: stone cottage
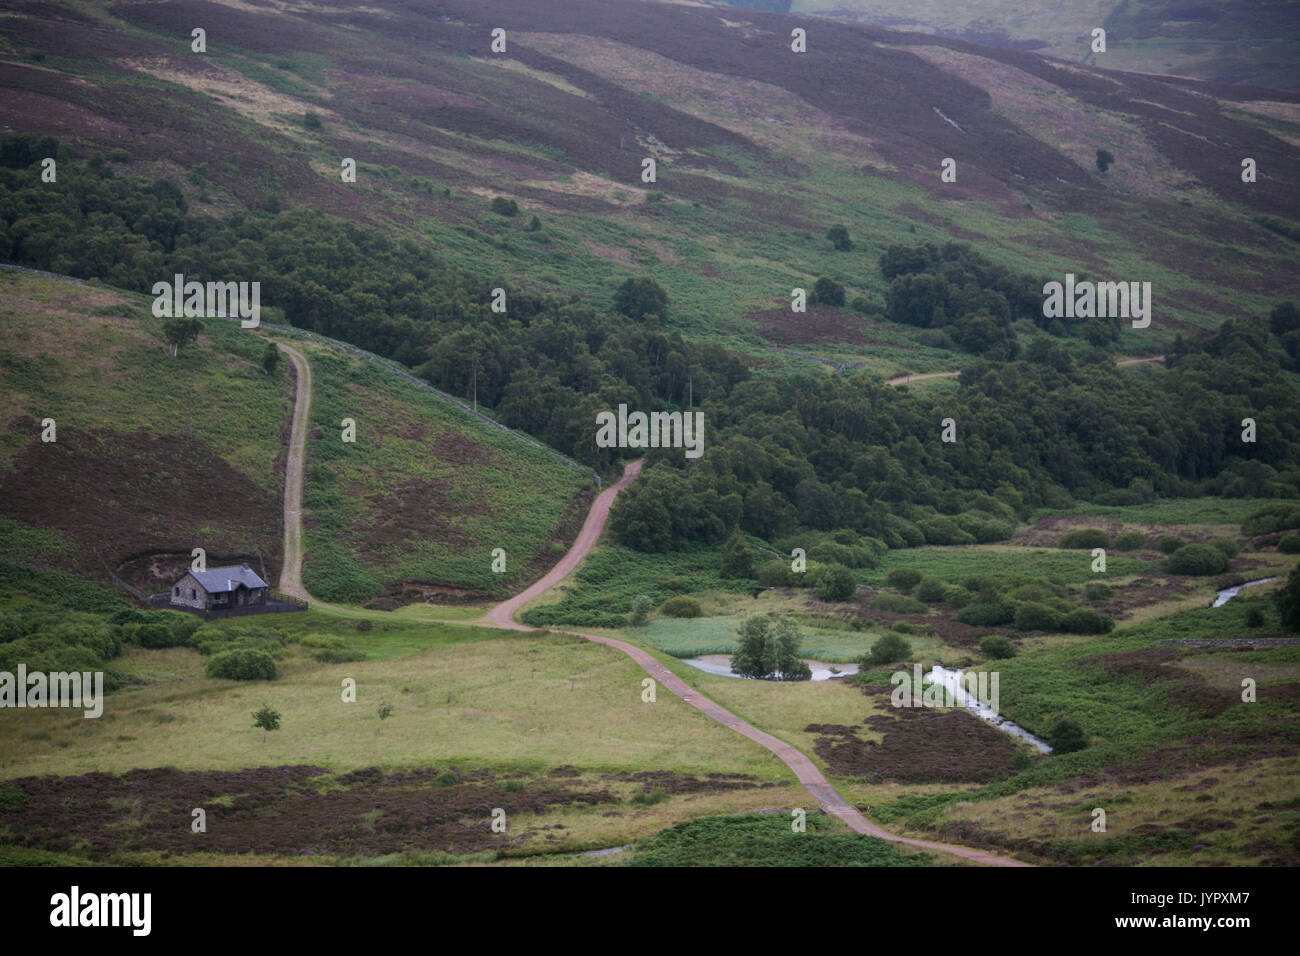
(220, 588)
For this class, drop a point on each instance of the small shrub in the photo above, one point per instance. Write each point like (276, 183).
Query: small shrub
(363, 625)
(1083, 621)
(1131, 541)
(957, 597)
(776, 574)
(899, 604)
(504, 207)
(681, 606)
(1066, 736)
(1197, 559)
(242, 664)
(311, 121)
(1254, 617)
(931, 591)
(644, 799)
(1289, 544)
(1097, 592)
(987, 614)
(1228, 547)
(888, 649)
(904, 578)
(448, 778)
(1084, 539)
(834, 582)
(902, 627)
(1036, 617)
(997, 647)
(1170, 543)
(155, 635)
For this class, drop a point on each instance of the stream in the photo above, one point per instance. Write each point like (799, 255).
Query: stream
(1227, 594)
(951, 681)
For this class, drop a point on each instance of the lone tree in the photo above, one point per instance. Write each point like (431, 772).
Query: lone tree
(769, 651)
(839, 237)
(640, 296)
(827, 291)
(270, 358)
(267, 719)
(1066, 736)
(504, 206)
(181, 332)
(1104, 159)
(385, 711)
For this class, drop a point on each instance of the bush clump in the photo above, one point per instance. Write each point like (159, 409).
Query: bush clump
(888, 649)
(1197, 559)
(1131, 541)
(903, 578)
(242, 664)
(681, 606)
(1083, 621)
(1289, 544)
(1097, 592)
(899, 604)
(1227, 546)
(931, 591)
(997, 647)
(776, 574)
(1066, 736)
(987, 614)
(1171, 543)
(834, 582)
(957, 597)
(1037, 617)
(1084, 538)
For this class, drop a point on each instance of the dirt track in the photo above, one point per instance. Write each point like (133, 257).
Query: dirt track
(502, 616)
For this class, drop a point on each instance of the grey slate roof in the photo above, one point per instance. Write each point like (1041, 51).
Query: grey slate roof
(220, 580)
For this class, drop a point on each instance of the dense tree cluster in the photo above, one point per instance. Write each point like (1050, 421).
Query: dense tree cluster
(974, 303)
(848, 452)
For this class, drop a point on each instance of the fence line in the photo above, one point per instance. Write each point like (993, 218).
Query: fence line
(133, 591)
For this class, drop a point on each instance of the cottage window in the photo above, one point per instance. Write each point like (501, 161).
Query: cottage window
(192, 594)
(176, 592)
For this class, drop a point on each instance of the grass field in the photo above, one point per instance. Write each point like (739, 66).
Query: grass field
(954, 564)
(531, 702)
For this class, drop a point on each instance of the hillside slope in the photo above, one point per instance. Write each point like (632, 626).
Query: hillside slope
(758, 149)
(154, 456)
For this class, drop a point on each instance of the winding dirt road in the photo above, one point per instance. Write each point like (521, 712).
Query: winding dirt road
(502, 616)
